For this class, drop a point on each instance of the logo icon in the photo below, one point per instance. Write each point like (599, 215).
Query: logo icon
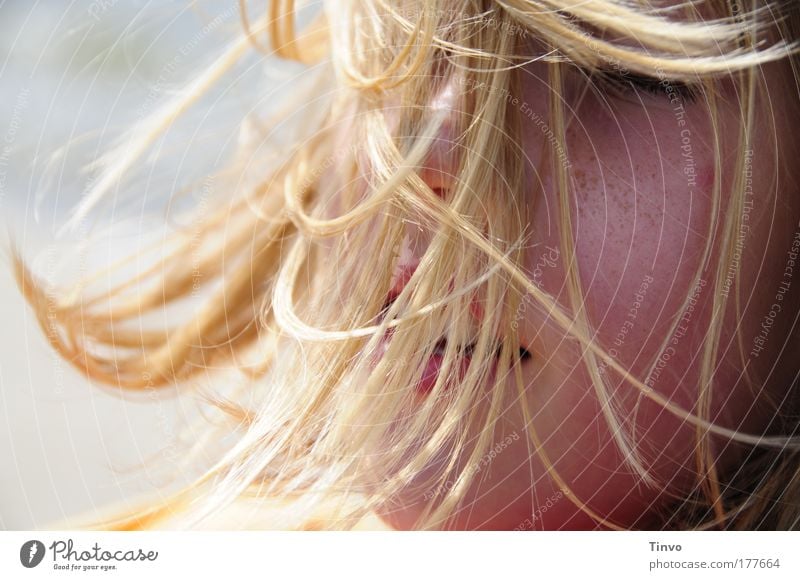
(31, 553)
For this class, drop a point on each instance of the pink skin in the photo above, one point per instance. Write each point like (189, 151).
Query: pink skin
(626, 234)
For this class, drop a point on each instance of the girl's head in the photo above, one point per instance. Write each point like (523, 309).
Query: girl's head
(527, 265)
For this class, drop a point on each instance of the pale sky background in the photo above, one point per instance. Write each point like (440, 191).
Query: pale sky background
(75, 73)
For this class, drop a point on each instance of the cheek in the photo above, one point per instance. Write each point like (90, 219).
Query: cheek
(641, 211)
(640, 214)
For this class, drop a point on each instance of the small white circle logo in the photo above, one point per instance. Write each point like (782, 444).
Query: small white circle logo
(31, 553)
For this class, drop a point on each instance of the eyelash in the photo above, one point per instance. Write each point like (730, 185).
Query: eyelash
(628, 83)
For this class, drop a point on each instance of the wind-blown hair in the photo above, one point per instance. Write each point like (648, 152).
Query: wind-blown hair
(294, 271)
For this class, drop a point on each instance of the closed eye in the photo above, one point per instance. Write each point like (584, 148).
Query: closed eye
(628, 83)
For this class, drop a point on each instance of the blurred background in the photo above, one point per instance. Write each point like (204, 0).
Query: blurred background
(73, 75)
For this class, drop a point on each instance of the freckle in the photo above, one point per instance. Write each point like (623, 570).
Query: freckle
(580, 177)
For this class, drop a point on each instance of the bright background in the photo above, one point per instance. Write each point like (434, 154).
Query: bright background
(73, 74)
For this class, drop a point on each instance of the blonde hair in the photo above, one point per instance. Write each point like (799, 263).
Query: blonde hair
(315, 423)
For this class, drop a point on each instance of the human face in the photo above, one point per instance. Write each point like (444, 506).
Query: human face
(642, 211)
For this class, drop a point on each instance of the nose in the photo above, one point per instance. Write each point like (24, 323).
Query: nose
(438, 169)
(439, 172)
